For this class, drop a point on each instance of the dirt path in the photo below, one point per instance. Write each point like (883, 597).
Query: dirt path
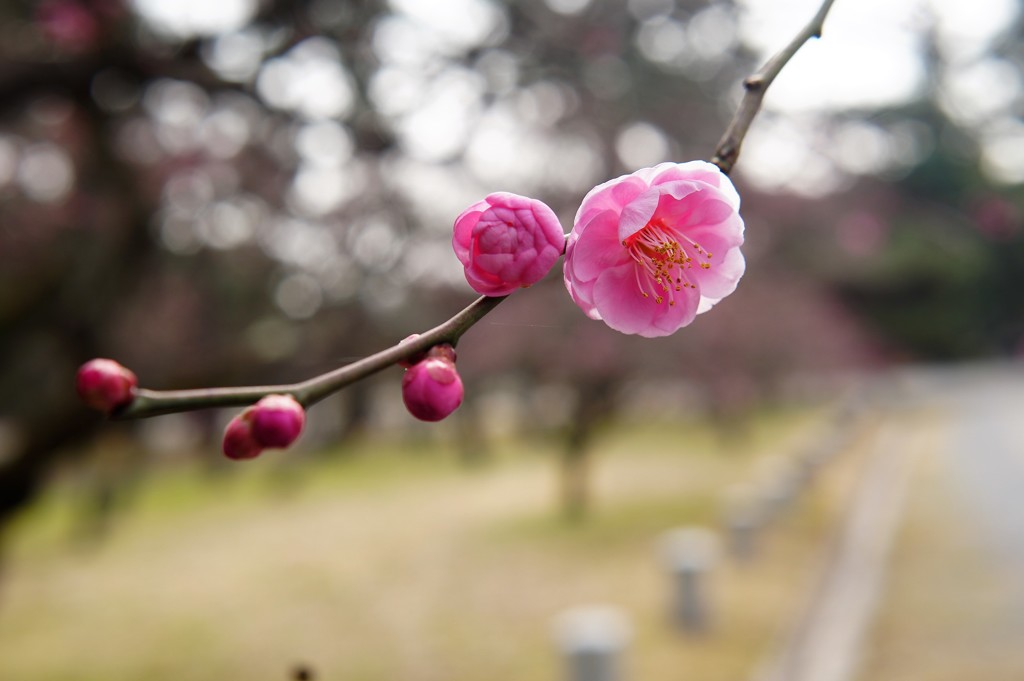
(825, 642)
(945, 603)
(955, 606)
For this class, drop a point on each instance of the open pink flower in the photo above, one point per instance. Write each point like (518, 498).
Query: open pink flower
(651, 250)
(506, 242)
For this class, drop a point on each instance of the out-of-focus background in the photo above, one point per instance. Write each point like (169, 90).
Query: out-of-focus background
(256, 191)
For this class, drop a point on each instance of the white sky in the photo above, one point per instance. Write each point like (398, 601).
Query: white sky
(869, 57)
(869, 54)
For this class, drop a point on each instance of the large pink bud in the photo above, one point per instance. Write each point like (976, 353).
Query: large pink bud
(507, 242)
(650, 251)
(277, 420)
(432, 388)
(105, 385)
(274, 422)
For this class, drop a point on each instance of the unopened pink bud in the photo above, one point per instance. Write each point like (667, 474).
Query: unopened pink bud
(274, 421)
(432, 389)
(105, 385)
(277, 420)
(239, 442)
(506, 242)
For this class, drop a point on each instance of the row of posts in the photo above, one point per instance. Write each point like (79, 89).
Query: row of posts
(592, 639)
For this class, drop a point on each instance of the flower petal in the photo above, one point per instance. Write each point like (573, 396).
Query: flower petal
(622, 306)
(597, 248)
(612, 195)
(722, 277)
(702, 172)
(638, 213)
(463, 234)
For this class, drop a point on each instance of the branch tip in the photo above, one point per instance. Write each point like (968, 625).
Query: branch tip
(727, 152)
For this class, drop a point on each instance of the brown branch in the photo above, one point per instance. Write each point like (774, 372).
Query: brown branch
(153, 402)
(309, 392)
(755, 86)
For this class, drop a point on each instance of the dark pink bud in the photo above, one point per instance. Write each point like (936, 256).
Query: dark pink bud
(277, 420)
(239, 442)
(105, 385)
(432, 389)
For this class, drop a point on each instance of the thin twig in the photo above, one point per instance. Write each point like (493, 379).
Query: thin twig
(309, 392)
(755, 86)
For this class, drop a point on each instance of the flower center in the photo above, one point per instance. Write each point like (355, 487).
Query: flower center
(664, 258)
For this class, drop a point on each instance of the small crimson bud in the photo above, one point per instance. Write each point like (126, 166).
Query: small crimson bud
(432, 389)
(105, 385)
(277, 420)
(274, 422)
(239, 442)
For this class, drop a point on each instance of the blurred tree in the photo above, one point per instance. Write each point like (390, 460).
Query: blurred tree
(257, 191)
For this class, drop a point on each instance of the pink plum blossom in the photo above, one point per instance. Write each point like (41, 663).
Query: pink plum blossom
(651, 250)
(105, 385)
(506, 242)
(432, 389)
(274, 422)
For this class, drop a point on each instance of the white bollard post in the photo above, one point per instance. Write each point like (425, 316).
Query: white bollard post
(742, 524)
(592, 640)
(779, 492)
(690, 554)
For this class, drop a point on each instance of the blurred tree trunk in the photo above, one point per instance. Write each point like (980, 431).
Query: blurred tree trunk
(473, 448)
(593, 406)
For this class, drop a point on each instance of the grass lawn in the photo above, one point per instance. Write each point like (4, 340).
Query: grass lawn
(394, 562)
